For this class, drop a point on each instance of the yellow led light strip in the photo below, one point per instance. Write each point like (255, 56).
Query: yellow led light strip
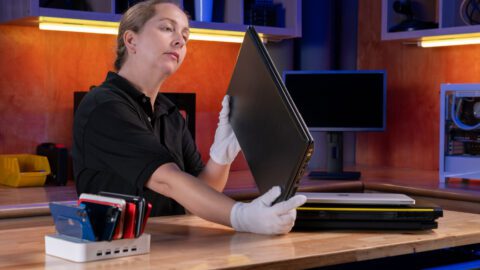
(78, 28)
(449, 42)
(111, 28)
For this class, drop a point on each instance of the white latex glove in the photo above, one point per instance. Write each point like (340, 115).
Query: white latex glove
(225, 146)
(259, 217)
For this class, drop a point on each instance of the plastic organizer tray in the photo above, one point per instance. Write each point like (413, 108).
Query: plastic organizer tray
(23, 170)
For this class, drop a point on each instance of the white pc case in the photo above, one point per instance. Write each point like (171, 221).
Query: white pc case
(452, 165)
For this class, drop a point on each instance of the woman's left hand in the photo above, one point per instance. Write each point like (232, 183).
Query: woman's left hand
(225, 146)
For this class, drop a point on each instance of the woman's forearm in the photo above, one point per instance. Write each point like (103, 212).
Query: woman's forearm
(196, 196)
(215, 175)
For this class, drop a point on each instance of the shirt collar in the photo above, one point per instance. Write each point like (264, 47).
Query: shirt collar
(162, 104)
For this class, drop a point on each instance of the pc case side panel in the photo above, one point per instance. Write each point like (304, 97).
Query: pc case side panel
(459, 146)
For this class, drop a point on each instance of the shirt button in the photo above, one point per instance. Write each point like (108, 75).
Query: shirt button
(149, 119)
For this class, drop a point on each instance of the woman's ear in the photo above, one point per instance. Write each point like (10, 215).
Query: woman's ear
(129, 38)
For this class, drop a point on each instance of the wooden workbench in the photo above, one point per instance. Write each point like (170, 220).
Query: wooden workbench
(188, 242)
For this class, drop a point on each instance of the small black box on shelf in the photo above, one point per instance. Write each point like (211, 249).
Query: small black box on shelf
(264, 12)
(81, 5)
(189, 8)
(122, 5)
(57, 155)
(218, 11)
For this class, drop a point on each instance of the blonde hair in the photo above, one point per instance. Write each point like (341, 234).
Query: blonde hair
(134, 19)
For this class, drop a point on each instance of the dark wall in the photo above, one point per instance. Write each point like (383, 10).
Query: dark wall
(329, 42)
(329, 35)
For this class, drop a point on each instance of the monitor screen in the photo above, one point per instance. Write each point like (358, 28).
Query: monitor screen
(339, 100)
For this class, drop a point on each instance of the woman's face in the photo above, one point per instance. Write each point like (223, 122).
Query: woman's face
(161, 42)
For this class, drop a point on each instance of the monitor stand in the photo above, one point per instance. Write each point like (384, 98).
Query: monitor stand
(334, 161)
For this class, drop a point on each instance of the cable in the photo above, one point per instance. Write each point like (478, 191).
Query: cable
(462, 11)
(454, 114)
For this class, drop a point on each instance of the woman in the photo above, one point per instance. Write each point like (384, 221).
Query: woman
(130, 139)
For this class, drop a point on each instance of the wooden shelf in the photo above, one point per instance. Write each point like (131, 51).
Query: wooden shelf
(446, 13)
(21, 11)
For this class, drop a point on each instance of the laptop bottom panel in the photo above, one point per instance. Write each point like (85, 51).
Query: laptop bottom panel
(428, 215)
(315, 225)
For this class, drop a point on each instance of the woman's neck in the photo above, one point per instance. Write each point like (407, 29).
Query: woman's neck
(145, 82)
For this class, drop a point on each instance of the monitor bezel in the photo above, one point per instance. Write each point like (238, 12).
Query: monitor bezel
(383, 72)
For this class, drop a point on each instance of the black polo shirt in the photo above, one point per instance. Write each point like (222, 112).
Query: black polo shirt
(118, 142)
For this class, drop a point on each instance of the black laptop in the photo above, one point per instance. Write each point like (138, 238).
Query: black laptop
(272, 134)
(314, 216)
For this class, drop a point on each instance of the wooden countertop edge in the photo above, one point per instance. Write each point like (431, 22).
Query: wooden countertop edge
(441, 194)
(17, 211)
(27, 210)
(41, 209)
(338, 186)
(249, 194)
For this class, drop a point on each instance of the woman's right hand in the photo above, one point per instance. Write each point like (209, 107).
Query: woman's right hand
(259, 216)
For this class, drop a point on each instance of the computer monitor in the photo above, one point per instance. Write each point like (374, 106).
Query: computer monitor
(338, 101)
